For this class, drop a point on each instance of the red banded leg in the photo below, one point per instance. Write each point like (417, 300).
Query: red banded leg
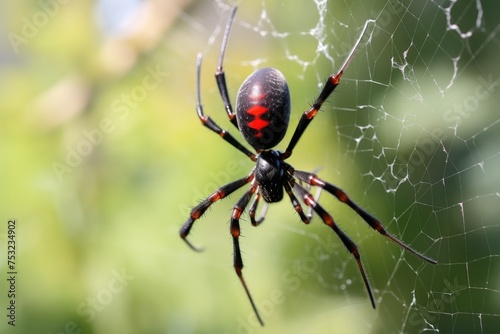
(209, 123)
(328, 220)
(235, 233)
(198, 210)
(253, 209)
(313, 180)
(331, 83)
(329, 86)
(316, 197)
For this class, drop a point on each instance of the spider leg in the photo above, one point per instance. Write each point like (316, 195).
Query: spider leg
(313, 180)
(329, 86)
(328, 220)
(235, 233)
(253, 209)
(295, 202)
(209, 123)
(316, 198)
(220, 75)
(331, 83)
(198, 210)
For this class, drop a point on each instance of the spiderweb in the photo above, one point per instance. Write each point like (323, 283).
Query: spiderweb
(411, 135)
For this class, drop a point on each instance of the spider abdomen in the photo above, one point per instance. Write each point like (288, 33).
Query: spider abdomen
(263, 108)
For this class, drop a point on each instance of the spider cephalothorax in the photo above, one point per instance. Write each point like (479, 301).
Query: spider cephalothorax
(262, 116)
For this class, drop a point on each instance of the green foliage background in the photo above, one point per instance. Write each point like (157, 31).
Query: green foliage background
(101, 161)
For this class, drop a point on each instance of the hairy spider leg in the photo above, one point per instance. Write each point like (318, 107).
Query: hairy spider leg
(235, 233)
(318, 191)
(209, 123)
(198, 210)
(329, 86)
(307, 116)
(314, 180)
(328, 220)
(295, 203)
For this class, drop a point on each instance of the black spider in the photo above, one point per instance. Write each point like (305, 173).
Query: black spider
(262, 115)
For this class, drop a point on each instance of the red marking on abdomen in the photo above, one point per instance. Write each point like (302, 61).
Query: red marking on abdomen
(258, 123)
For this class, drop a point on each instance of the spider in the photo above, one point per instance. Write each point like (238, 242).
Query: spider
(262, 116)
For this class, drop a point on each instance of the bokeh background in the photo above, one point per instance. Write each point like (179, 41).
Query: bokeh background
(103, 156)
